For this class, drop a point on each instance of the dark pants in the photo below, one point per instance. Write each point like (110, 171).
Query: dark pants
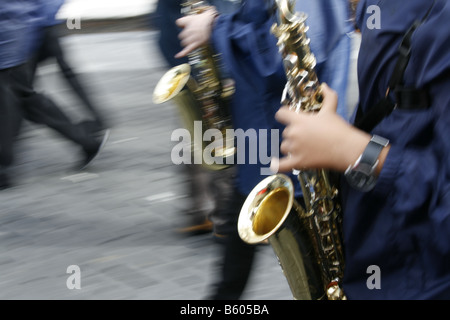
(236, 256)
(51, 48)
(40, 109)
(9, 120)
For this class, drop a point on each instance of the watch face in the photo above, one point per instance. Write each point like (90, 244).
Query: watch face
(360, 180)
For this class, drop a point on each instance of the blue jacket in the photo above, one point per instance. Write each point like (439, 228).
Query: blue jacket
(49, 9)
(403, 225)
(18, 20)
(250, 53)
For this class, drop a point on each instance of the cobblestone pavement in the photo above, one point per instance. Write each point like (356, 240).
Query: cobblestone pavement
(117, 220)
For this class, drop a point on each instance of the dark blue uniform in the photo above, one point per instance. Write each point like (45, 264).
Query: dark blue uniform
(403, 225)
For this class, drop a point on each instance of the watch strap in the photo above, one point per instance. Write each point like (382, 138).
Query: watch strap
(373, 150)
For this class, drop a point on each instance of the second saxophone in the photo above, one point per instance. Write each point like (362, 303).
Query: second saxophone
(202, 94)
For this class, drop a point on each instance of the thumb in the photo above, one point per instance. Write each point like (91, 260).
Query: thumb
(282, 165)
(330, 98)
(186, 50)
(181, 22)
(284, 115)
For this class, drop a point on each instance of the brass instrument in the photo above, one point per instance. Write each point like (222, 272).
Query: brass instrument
(201, 94)
(306, 239)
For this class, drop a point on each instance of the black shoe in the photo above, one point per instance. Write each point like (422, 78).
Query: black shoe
(90, 156)
(93, 127)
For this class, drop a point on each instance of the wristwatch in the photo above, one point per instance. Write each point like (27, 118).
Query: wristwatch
(361, 175)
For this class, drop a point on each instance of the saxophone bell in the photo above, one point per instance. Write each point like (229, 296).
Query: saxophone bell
(271, 213)
(172, 83)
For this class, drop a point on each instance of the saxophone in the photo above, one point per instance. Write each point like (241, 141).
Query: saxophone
(202, 95)
(307, 237)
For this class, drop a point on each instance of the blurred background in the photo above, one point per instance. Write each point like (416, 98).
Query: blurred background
(117, 221)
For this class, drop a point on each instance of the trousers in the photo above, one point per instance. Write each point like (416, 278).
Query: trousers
(237, 257)
(40, 109)
(50, 47)
(10, 119)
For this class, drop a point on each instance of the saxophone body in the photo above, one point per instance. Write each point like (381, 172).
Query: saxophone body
(306, 237)
(201, 94)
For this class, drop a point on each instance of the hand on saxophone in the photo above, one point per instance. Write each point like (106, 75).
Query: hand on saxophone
(196, 31)
(319, 140)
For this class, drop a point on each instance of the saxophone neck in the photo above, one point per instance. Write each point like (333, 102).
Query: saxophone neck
(303, 87)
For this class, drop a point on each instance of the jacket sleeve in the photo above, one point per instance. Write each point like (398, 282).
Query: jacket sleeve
(247, 45)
